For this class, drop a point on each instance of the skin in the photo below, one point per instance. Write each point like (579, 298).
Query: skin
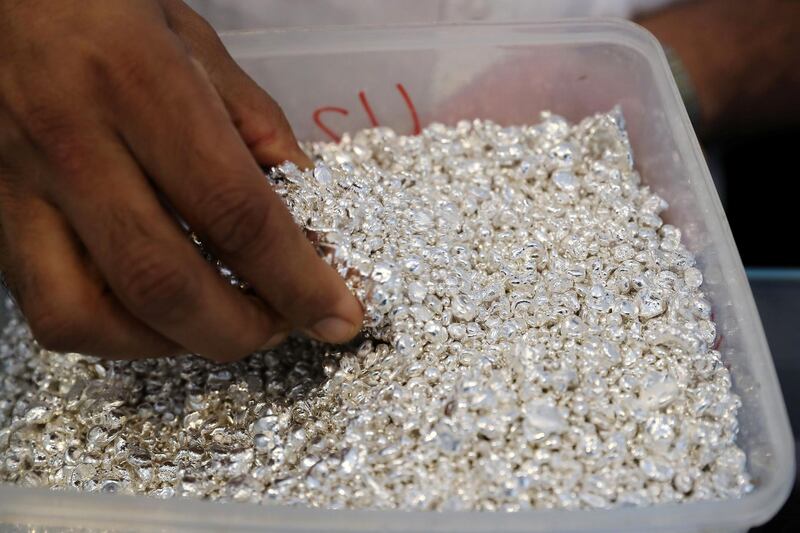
(741, 57)
(109, 110)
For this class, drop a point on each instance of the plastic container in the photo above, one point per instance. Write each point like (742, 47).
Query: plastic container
(336, 80)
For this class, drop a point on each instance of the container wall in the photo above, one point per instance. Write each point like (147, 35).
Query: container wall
(498, 74)
(330, 82)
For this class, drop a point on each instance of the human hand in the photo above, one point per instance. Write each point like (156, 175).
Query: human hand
(106, 107)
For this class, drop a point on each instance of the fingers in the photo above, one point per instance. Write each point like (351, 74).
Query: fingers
(198, 160)
(260, 121)
(94, 180)
(155, 272)
(66, 306)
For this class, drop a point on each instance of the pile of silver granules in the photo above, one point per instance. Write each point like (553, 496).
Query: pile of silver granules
(536, 337)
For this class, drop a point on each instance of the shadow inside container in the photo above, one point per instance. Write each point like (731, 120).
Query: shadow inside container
(178, 391)
(199, 395)
(175, 412)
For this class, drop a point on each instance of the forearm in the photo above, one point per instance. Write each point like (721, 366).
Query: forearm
(742, 58)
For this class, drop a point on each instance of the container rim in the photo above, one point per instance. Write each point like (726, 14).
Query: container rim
(41, 506)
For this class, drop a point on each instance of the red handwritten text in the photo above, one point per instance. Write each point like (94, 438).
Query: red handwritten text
(373, 120)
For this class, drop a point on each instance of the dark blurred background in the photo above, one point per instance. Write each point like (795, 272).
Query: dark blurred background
(759, 172)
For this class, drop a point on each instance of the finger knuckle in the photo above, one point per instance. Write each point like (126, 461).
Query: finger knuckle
(127, 69)
(237, 221)
(12, 143)
(69, 159)
(60, 138)
(58, 331)
(126, 65)
(46, 122)
(203, 29)
(155, 285)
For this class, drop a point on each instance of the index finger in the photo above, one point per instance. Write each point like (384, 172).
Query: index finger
(198, 160)
(258, 118)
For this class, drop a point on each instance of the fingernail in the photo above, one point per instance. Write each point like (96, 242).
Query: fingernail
(333, 329)
(302, 160)
(275, 340)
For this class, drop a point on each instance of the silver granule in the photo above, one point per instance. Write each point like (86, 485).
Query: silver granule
(535, 337)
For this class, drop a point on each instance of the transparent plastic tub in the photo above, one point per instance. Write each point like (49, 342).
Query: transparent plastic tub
(331, 81)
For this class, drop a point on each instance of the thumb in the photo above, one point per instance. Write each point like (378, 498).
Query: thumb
(259, 119)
